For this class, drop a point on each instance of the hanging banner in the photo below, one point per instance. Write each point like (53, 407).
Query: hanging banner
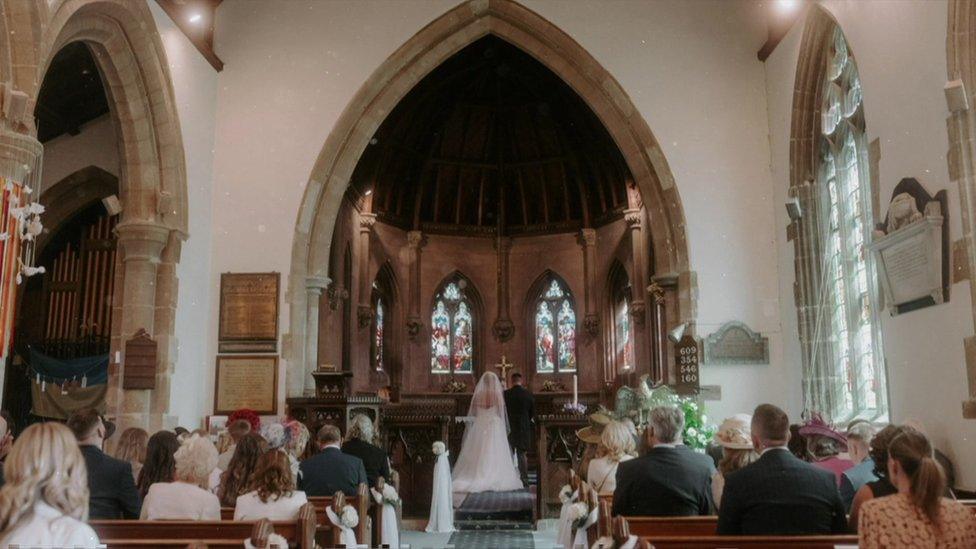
(62, 387)
(9, 253)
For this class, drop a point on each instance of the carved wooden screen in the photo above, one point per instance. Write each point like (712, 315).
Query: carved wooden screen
(79, 285)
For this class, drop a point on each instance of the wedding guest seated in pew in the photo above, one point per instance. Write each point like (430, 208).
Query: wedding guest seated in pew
(824, 445)
(187, 497)
(359, 443)
(882, 486)
(330, 470)
(734, 436)
(236, 480)
(859, 437)
(160, 461)
(112, 491)
(132, 449)
(918, 515)
(616, 447)
(45, 500)
(779, 494)
(273, 495)
(237, 430)
(671, 479)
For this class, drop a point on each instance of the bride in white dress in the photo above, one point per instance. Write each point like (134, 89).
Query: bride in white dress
(485, 463)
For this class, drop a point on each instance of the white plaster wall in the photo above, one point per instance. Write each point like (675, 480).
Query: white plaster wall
(900, 52)
(690, 68)
(95, 145)
(195, 86)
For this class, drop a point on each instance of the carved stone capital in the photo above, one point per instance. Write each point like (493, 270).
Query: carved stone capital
(367, 221)
(142, 240)
(503, 329)
(414, 326)
(337, 294)
(633, 218)
(587, 237)
(416, 239)
(314, 285)
(365, 315)
(591, 324)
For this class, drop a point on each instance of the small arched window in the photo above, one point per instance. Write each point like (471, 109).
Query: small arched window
(378, 344)
(555, 329)
(452, 330)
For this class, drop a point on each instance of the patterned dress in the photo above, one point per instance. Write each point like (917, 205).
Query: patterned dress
(893, 522)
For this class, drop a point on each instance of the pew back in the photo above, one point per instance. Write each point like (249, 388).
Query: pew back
(748, 542)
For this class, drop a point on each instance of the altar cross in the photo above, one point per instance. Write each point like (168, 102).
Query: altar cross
(504, 366)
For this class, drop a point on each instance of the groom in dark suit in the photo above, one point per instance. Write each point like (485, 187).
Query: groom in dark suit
(520, 406)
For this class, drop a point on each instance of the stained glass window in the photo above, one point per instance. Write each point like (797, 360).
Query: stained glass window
(853, 383)
(623, 342)
(378, 334)
(452, 331)
(555, 329)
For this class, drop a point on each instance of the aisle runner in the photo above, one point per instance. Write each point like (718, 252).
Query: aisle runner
(492, 540)
(507, 510)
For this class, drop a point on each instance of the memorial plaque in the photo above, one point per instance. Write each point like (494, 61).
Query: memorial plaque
(246, 382)
(687, 365)
(248, 313)
(139, 369)
(910, 262)
(735, 343)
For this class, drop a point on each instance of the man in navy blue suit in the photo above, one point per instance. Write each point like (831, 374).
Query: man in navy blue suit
(330, 470)
(779, 494)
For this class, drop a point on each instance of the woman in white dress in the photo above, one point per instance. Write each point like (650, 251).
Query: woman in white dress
(274, 496)
(616, 445)
(45, 500)
(486, 463)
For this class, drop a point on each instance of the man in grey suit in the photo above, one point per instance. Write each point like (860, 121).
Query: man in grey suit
(779, 494)
(330, 470)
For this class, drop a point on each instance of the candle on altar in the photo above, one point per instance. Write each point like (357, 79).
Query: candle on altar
(575, 390)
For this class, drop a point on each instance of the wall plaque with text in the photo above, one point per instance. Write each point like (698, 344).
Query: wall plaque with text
(246, 382)
(248, 313)
(736, 343)
(687, 362)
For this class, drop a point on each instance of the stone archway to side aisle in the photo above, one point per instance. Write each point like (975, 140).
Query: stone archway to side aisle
(426, 50)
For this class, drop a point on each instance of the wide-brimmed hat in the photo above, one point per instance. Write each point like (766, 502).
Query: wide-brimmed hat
(735, 433)
(817, 427)
(591, 433)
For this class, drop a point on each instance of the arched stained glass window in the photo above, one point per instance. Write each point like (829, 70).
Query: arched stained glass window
(378, 325)
(555, 329)
(452, 331)
(623, 339)
(852, 382)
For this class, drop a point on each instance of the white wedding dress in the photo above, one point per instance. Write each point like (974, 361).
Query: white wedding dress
(485, 462)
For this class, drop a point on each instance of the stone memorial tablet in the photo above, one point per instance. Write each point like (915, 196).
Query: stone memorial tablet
(735, 343)
(246, 382)
(248, 313)
(687, 361)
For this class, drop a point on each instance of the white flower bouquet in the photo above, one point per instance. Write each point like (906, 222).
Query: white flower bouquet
(566, 494)
(349, 517)
(390, 495)
(579, 512)
(439, 448)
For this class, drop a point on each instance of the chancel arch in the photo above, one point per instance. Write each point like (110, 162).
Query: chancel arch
(658, 215)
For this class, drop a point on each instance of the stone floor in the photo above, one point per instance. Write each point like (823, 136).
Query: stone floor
(543, 537)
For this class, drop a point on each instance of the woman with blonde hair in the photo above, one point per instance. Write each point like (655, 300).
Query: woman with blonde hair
(187, 497)
(918, 515)
(616, 445)
(44, 502)
(735, 438)
(273, 495)
(132, 448)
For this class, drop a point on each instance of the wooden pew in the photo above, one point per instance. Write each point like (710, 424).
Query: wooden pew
(747, 542)
(649, 526)
(361, 502)
(133, 533)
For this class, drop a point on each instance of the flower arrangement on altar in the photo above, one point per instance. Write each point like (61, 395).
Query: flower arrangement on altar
(577, 408)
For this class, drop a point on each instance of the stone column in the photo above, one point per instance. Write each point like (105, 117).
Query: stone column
(141, 245)
(365, 309)
(591, 321)
(313, 296)
(415, 241)
(503, 328)
(637, 307)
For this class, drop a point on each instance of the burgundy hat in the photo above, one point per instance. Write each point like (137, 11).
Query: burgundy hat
(816, 426)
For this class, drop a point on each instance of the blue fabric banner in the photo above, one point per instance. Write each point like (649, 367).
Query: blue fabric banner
(93, 369)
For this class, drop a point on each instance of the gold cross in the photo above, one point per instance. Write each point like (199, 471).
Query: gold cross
(504, 367)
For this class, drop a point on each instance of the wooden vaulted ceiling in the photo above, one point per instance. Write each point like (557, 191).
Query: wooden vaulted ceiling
(492, 140)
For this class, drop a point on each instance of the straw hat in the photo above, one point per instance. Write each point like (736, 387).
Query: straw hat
(591, 433)
(735, 433)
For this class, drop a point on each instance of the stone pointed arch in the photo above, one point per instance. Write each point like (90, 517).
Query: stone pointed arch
(152, 177)
(434, 44)
(961, 125)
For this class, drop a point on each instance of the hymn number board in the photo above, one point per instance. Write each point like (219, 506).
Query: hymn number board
(687, 362)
